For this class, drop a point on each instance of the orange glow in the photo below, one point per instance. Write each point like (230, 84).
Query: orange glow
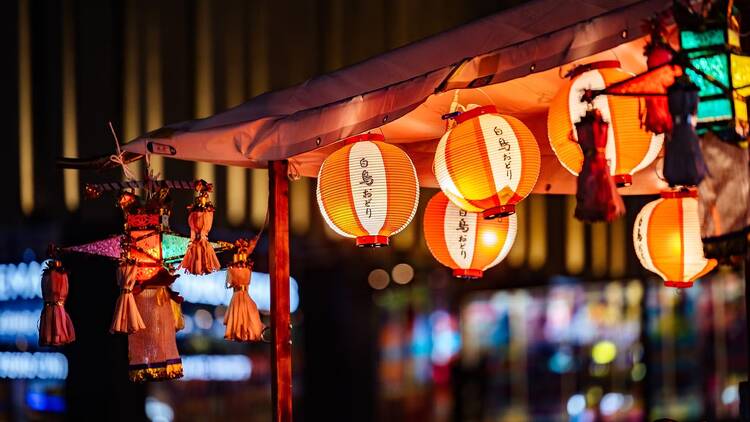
(25, 118)
(630, 148)
(465, 241)
(666, 236)
(488, 162)
(368, 190)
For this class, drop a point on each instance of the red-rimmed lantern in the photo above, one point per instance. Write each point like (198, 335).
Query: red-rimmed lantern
(667, 238)
(368, 190)
(488, 162)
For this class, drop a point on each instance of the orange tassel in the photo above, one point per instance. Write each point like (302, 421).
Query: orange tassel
(55, 326)
(127, 319)
(200, 257)
(242, 318)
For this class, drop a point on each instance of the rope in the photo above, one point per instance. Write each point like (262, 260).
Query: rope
(119, 157)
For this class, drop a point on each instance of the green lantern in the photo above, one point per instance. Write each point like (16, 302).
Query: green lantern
(721, 72)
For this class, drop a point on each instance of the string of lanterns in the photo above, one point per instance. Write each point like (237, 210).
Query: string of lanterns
(601, 127)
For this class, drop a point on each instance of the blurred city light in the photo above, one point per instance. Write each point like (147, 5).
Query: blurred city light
(22, 281)
(576, 404)
(378, 279)
(402, 273)
(730, 395)
(216, 368)
(23, 365)
(210, 289)
(158, 411)
(604, 352)
(42, 402)
(611, 403)
(15, 323)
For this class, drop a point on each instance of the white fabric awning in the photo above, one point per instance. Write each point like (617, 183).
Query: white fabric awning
(512, 59)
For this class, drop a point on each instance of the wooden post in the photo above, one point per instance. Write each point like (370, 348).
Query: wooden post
(278, 255)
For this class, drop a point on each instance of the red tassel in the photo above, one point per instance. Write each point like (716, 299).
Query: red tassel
(242, 318)
(597, 197)
(683, 159)
(657, 118)
(127, 319)
(55, 326)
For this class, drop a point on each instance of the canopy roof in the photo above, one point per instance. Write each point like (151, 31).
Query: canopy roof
(514, 59)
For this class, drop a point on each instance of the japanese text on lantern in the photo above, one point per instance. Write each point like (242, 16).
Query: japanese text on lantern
(504, 146)
(463, 228)
(367, 181)
(639, 236)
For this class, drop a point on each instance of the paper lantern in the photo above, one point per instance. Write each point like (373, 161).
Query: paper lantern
(667, 239)
(630, 147)
(465, 241)
(368, 190)
(487, 163)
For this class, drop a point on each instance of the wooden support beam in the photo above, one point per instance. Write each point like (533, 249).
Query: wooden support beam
(278, 255)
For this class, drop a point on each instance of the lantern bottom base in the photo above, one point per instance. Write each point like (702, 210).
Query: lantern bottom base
(467, 274)
(623, 180)
(376, 241)
(499, 212)
(678, 284)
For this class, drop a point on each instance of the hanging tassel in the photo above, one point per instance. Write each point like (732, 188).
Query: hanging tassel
(683, 159)
(200, 257)
(127, 319)
(656, 117)
(597, 198)
(242, 318)
(55, 326)
(179, 319)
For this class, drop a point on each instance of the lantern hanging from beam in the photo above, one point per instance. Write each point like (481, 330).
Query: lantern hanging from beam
(667, 238)
(487, 163)
(629, 148)
(368, 190)
(464, 241)
(712, 47)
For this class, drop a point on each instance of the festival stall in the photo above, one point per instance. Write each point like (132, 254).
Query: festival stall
(591, 98)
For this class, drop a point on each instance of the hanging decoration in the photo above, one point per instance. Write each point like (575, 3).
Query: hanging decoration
(147, 309)
(152, 348)
(629, 148)
(683, 159)
(597, 198)
(242, 319)
(710, 46)
(487, 162)
(465, 241)
(368, 190)
(127, 319)
(659, 55)
(667, 238)
(55, 325)
(200, 257)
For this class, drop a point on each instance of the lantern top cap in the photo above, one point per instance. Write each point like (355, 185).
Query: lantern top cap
(364, 137)
(475, 112)
(604, 64)
(680, 193)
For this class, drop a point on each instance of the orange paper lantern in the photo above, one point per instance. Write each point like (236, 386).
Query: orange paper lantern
(667, 239)
(464, 241)
(488, 162)
(630, 147)
(368, 190)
